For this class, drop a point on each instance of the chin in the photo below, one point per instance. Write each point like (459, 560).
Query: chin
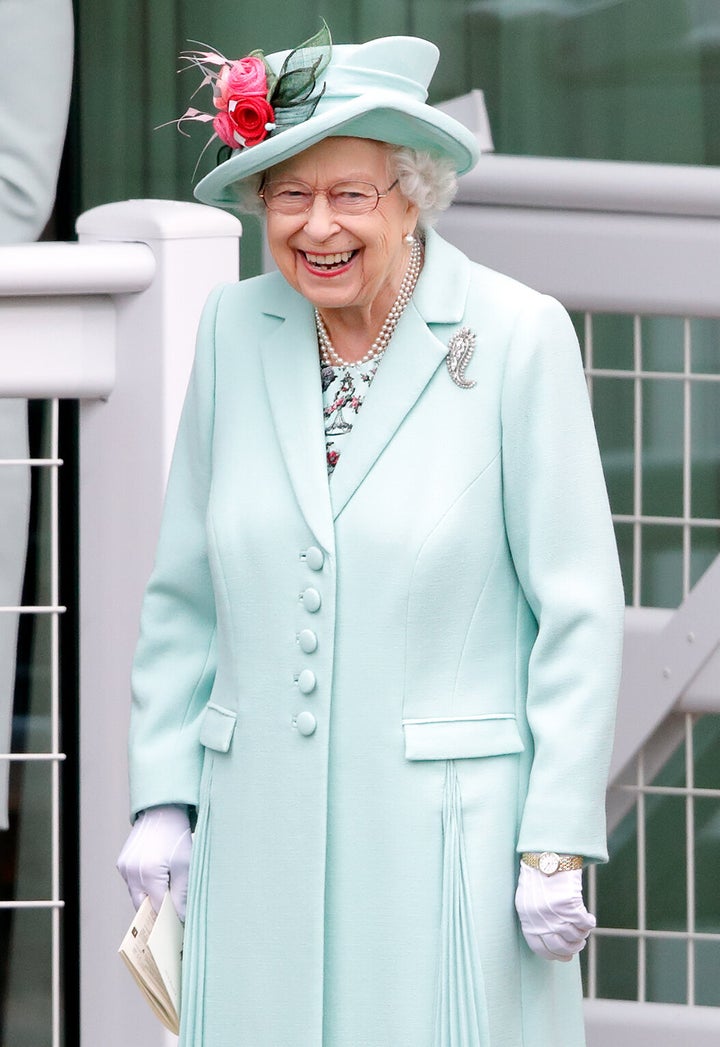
(328, 297)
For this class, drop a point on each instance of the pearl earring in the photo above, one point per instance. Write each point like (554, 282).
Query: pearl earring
(409, 239)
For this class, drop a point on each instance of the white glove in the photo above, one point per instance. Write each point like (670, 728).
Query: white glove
(552, 913)
(156, 856)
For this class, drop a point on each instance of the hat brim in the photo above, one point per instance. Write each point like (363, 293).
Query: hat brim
(375, 115)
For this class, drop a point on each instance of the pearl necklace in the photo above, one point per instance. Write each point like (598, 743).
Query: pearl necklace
(331, 358)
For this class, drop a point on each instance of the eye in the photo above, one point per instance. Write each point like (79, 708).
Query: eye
(353, 194)
(290, 192)
(349, 194)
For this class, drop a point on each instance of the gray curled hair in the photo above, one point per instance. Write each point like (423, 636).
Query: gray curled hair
(425, 179)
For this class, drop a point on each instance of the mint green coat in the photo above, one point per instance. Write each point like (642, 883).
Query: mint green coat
(377, 692)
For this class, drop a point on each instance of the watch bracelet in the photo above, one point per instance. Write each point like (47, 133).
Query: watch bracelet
(566, 862)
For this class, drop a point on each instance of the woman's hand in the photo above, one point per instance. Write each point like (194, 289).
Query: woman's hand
(156, 857)
(552, 913)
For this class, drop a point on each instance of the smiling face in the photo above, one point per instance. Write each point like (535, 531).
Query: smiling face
(339, 261)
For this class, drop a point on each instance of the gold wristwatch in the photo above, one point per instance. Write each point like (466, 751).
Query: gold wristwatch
(548, 862)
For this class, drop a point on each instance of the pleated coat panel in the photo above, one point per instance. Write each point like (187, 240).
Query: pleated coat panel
(377, 692)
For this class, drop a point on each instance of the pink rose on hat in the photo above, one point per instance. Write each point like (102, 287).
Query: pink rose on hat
(247, 76)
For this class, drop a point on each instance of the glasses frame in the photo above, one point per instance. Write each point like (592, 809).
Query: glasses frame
(326, 193)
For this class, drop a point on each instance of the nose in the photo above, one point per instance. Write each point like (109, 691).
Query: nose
(320, 221)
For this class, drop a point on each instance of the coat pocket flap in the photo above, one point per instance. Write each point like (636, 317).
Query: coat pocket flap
(458, 739)
(216, 729)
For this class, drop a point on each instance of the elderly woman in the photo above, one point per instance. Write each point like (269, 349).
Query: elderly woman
(380, 645)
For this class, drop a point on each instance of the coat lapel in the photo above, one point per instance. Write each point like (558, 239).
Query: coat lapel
(418, 347)
(292, 376)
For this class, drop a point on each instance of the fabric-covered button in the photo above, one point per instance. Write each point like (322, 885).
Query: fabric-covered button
(306, 723)
(307, 681)
(308, 641)
(311, 600)
(314, 558)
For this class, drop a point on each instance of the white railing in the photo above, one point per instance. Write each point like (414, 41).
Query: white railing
(640, 242)
(609, 237)
(109, 321)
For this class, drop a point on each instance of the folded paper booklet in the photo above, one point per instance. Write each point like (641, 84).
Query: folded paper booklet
(152, 950)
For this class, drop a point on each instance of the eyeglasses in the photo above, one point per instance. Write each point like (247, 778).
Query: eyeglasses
(343, 197)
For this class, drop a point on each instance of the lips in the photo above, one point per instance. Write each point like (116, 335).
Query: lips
(327, 263)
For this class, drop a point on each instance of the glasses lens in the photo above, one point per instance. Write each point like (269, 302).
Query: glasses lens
(288, 197)
(353, 197)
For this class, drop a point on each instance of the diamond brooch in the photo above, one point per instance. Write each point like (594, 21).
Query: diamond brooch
(460, 349)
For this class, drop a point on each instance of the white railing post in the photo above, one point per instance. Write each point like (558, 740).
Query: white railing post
(125, 449)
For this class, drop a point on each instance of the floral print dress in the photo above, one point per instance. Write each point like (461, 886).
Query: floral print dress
(344, 388)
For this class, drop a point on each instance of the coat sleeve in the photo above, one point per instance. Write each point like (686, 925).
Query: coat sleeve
(562, 542)
(35, 82)
(174, 667)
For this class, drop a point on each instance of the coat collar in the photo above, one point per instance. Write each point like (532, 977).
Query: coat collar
(292, 376)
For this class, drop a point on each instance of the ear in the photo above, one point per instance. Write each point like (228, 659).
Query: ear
(410, 218)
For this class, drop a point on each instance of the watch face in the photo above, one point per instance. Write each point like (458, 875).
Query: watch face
(548, 863)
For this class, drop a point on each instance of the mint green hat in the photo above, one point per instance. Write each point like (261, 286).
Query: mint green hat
(376, 90)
